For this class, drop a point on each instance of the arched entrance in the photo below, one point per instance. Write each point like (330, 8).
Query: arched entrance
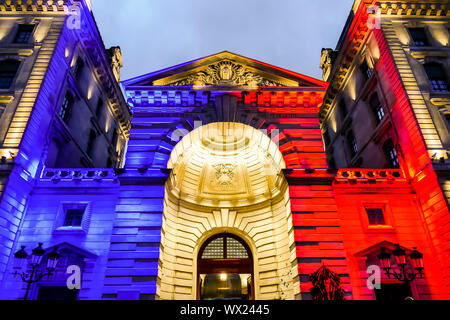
(225, 269)
(226, 178)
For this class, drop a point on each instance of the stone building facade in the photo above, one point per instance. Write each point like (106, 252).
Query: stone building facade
(60, 101)
(388, 101)
(235, 171)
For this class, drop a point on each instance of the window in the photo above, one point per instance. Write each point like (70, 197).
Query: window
(24, 33)
(391, 154)
(225, 248)
(326, 137)
(419, 37)
(342, 109)
(352, 143)
(376, 216)
(109, 163)
(331, 163)
(447, 117)
(73, 217)
(377, 108)
(54, 149)
(8, 70)
(91, 141)
(437, 76)
(114, 139)
(66, 107)
(366, 71)
(78, 67)
(99, 110)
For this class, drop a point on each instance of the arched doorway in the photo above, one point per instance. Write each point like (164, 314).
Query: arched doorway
(225, 269)
(227, 178)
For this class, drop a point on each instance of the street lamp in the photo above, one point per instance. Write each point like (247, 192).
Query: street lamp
(401, 259)
(37, 254)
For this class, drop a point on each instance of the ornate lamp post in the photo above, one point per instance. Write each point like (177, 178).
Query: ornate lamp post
(401, 259)
(37, 254)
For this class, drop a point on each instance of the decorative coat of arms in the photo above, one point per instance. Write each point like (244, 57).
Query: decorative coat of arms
(224, 173)
(225, 73)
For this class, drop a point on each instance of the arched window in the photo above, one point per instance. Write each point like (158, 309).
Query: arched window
(8, 71)
(391, 154)
(225, 269)
(437, 76)
(377, 108)
(225, 247)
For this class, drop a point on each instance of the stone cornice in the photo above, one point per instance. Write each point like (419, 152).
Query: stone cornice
(32, 6)
(414, 8)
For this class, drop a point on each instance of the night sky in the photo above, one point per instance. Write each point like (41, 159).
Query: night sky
(155, 34)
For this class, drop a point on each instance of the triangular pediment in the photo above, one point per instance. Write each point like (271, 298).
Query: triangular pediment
(224, 69)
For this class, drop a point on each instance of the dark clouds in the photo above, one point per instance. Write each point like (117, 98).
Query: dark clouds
(156, 34)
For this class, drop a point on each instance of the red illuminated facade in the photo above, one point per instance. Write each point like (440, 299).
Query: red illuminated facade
(372, 59)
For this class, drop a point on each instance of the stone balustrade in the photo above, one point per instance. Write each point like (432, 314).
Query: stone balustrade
(369, 175)
(78, 174)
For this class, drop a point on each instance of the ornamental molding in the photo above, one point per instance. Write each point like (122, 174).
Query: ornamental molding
(409, 8)
(35, 5)
(225, 73)
(224, 173)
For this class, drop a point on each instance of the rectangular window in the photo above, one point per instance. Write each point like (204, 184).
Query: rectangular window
(393, 158)
(342, 107)
(114, 139)
(377, 108)
(24, 33)
(66, 107)
(73, 217)
(78, 67)
(352, 143)
(99, 110)
(437, 76)
(376, 216)
(419, 37)
(8, 71)
(326, 138)
(391, 154)
(439, 85)
(91, 142)
(366, 71)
